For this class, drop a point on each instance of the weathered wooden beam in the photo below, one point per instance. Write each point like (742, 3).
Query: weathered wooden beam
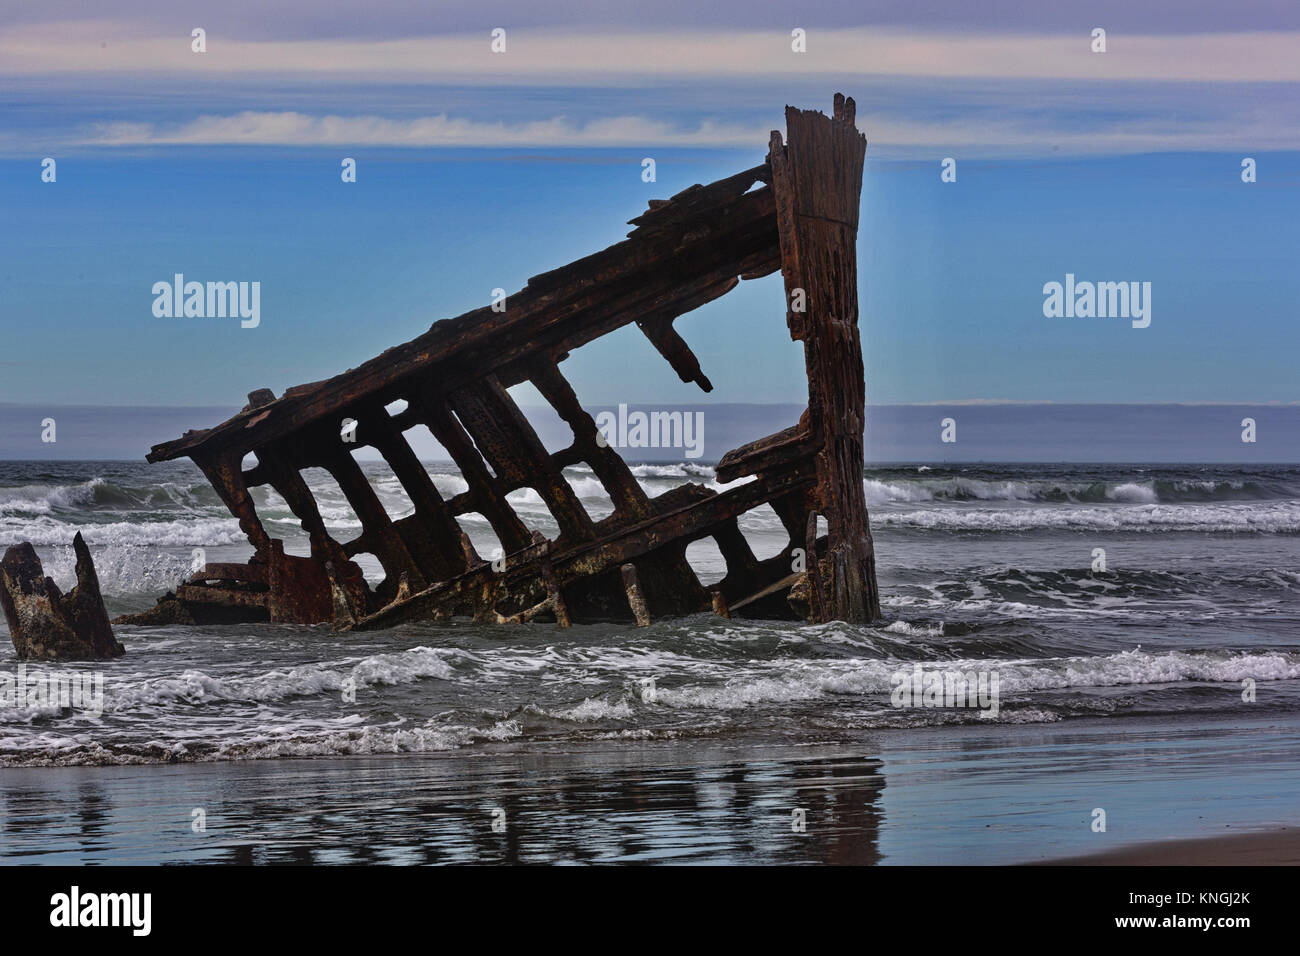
(437, 545)
(288, 483)
(485, 489)
(624, 490)
(817, 181)
(695, 517)
(775, 451)
(226, 474)
(506, 439)
(673, 347)
(380, 534)
(694, 200)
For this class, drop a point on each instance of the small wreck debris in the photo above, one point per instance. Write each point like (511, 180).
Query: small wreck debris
(44, 623)
(797, 212)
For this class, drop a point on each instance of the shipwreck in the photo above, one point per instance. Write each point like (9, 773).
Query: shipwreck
(797, 212)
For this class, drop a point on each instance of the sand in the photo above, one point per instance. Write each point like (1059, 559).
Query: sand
(1280, 847)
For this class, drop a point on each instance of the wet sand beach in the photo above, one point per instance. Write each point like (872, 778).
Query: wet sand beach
(962, 795)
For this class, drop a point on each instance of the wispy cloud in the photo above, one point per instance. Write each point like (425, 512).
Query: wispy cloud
(563, 56)
(975, 94)
(973, 136)
(292, 128)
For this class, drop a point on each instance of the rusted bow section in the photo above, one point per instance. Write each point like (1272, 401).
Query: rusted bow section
(797, 212)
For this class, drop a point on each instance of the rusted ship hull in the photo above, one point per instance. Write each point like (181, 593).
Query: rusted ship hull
(797, 213)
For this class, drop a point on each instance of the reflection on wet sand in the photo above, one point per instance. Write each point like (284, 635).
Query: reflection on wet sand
(527, 809)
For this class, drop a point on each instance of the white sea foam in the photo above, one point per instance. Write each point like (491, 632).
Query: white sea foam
(122, 569)
(1132, 492)
(195, 687)
(594, 709)
(374, 740)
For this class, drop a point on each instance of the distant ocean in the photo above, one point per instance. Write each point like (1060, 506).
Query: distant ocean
(983, 567)
(1014, 432)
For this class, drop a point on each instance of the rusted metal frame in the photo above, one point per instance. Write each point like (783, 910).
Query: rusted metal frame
(673, 347)
(685, 252)
(635, 599)
(742, 564)
(322, 446)
(747, 581)
(793, 512)
(434, 537)
(242, 573)
(708, 229)
(735, 548)
(554, 596)
(816, 586)
(625, 492)
(226, 474)
(668, 577)
(817, 183)
(276, 470)
(692, 520)
(226, 596)
(777, 586)
(506, 439)
(485, 491)
(299, 588)
(786, 446)
(681, 525)
(661, 296)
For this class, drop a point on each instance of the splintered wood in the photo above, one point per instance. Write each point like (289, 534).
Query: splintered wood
(797, 212)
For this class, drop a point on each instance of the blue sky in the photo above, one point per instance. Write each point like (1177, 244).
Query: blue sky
(477, 170)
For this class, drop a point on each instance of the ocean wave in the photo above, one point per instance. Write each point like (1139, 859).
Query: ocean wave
(910, 490)
(1274, 518)
(810, 680)
(196, 532)
(195, 687)
(55, 750)
(48, 499)
(99, 494)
